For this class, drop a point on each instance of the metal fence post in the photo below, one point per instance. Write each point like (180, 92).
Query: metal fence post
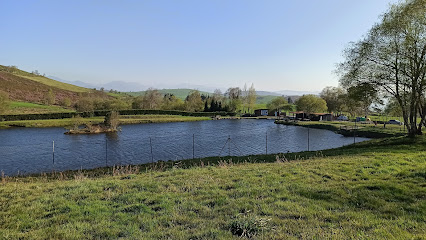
(106, 152)
(53, 152)
(229, 145)
(266, 143)
(308, 138)
(152, 156)
(355, 131)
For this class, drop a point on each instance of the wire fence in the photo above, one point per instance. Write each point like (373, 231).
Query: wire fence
(86, 153)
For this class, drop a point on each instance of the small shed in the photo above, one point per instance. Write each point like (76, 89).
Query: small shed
(313, 116)
(321, 117)
(261, 112)
(299, 115)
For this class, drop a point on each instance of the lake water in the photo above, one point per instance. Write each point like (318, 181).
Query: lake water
(29, 150)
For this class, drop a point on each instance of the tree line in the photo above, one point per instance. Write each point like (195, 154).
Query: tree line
(234, 99)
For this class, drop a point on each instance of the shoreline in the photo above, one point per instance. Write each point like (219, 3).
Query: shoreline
(162, 165)
(347, 129)
(124, 120)
(46, 123)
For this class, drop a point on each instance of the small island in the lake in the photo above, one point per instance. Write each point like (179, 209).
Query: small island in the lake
(109, 125)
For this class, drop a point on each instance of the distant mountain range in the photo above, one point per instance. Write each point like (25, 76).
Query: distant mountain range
(122, 86)
(115, 85)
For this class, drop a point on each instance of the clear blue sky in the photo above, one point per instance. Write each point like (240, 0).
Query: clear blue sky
(277, 45)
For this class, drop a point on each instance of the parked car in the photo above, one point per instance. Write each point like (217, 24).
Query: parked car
(342, 118)
(395, 122)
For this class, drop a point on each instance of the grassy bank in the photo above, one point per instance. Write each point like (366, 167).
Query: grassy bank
(368, 130)
(96, 120)
(371, 190)
(32, 108)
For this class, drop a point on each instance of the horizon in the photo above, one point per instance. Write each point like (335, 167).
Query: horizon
(275, 45)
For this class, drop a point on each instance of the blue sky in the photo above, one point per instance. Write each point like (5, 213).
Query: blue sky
(276, 45)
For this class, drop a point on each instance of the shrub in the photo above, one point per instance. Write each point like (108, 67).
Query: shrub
(248, 225)
(4, 101)
(66, 102)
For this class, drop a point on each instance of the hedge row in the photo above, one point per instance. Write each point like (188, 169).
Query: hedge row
(104, 112)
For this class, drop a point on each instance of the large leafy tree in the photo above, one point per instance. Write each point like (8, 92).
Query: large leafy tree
(311, 104)
(391, 59)
(193, 101)
(363, 95)
(279, 104)
(171, 102)
(335, 97)
(235, 98)
(251, 97)
(151, 99)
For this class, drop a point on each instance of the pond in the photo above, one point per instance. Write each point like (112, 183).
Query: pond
(30, 150)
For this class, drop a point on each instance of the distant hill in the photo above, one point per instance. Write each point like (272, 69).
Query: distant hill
(266, 93)
(264, 99)
(120, 86)
(295, 93)
(76, 83)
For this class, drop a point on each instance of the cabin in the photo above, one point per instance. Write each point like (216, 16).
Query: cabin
(321, 117)
(261, 112)
(278, 114)
(299, 115)
(313, 116)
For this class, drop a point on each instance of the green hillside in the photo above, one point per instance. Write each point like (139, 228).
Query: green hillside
(264, 99)
(32, 93)
(33, 108)
(43, 80)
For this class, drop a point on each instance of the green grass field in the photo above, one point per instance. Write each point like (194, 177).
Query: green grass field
(372, 190)
(361, 128)
(33, 108)
(136, 119)
(264, 99)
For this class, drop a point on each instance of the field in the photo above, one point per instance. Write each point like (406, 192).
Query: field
(361, 129)
(372, 190)
(32, 108)
(96, 120)
(264, 99)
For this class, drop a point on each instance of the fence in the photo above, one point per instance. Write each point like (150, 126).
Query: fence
(89, 151)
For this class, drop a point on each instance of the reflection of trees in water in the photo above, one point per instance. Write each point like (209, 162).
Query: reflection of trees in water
(112, 136)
